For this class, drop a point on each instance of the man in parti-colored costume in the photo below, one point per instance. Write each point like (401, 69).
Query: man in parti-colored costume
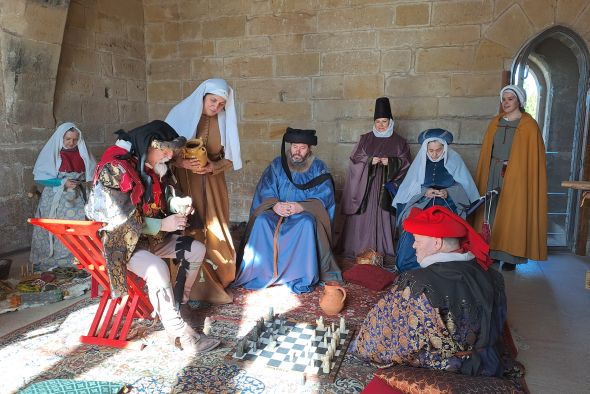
(133, 196)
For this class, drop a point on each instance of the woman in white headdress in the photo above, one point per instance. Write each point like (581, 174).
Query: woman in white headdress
(209, 113)
(512, 159)
(437, 176)
(62, 167)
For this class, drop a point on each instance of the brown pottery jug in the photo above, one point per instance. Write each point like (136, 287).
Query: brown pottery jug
(332, 301)
(195, 149)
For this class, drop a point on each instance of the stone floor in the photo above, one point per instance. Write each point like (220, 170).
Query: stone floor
(548, 311)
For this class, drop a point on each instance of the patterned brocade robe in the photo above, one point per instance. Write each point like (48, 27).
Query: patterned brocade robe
(448, 316)
(113, 201)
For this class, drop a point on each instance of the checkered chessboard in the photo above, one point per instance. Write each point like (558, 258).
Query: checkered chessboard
(299, 349)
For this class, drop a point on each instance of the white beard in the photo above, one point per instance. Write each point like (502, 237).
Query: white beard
(160, 169)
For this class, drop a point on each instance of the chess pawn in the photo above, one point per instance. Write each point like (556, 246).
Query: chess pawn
(326, 365)
(207, 326)
(320, 323)
(240, 348)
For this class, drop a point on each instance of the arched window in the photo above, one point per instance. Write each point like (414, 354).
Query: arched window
(553, 69)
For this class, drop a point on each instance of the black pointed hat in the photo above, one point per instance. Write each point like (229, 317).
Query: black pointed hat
(382, 108)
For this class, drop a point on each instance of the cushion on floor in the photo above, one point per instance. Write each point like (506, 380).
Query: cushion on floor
(379, 386)
(369, 276)
(427, 381)
(70, 386)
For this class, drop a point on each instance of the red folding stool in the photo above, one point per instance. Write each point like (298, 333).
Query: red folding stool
(113, 318)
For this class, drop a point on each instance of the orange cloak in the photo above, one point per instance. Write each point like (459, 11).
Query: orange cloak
(520, 225)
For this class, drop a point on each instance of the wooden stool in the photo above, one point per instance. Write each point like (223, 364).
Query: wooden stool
(113, 318)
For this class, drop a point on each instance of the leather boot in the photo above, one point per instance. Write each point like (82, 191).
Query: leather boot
(179, 333)
(194, 343)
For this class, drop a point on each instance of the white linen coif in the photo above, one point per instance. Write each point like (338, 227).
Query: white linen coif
(412, 183)
(49, 160)
(185, 116)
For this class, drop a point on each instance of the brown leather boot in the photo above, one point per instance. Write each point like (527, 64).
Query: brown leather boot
(194, 343)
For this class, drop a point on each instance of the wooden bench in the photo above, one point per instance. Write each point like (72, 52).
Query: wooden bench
(112, 321)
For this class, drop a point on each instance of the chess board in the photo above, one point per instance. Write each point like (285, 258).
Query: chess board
(298, 349)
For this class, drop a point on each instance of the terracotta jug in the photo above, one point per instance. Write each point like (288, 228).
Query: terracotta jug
(195, 149)
(332, 301)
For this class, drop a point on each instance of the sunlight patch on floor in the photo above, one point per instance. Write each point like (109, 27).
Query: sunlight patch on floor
(257, 305)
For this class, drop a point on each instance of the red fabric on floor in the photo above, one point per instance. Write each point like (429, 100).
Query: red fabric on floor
(369, 276)
(378, 386)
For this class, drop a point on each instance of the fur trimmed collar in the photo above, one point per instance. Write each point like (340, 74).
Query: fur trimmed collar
(445, 257)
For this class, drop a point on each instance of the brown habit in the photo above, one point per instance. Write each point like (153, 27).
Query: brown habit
(520, 225)
(210, 200)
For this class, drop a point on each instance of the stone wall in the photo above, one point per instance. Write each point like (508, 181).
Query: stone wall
(321, 64)
(30, 47)
(61, 60)
(106, 64)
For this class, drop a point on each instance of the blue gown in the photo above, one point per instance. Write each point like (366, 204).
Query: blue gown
(298, 257)
(437, 177)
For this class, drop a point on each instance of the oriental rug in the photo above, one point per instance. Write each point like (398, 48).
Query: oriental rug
(50, 349)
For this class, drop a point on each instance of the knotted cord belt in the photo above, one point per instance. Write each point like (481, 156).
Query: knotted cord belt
(275, 249)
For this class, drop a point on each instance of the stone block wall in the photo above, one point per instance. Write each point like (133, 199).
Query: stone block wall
(62, 60)
(321, 64)
(101, 84)
(106, 64)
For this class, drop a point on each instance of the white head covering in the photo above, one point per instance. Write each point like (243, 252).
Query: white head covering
(518, 91)
(412, 183)
(49, 160)
(386, 133)
(185, 116)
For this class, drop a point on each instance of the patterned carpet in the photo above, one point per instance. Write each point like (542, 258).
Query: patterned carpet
(49, 349)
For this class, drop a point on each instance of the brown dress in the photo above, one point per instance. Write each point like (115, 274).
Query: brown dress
(211, 202)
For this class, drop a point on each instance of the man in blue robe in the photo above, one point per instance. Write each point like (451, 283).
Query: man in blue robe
(288, 237)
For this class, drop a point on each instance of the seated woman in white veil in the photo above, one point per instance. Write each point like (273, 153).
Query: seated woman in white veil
(62, 168)
(437, 176)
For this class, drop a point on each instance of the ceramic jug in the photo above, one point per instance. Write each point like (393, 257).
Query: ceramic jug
(332, 301)
(195, 149)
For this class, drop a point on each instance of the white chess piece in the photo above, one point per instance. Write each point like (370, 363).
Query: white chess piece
(326, 365)
(207, 326)
(320, 323)
(271, 314)
(342, 325)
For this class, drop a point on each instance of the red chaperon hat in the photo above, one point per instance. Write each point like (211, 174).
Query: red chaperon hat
(439, 222)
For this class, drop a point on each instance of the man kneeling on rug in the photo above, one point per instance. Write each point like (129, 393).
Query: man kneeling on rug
(134, 195)
(449, 314)
(288, 236)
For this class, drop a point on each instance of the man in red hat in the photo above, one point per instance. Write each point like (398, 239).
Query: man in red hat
(448, 314)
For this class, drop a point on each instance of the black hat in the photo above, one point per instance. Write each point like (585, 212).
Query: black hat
(382, 109)
(141, 138)
(299, 136)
